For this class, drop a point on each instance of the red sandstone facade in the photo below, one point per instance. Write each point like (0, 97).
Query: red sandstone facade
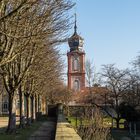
(76, 62)
(76, 75)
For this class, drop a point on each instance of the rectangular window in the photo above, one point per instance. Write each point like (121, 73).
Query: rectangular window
(5, 107)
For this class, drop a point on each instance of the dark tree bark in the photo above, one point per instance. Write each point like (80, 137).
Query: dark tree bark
(32, 108)
(20, 107)
(27, 108)
(10, 124)
(36, 105)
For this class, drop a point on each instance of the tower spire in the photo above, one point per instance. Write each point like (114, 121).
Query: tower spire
(75, 26)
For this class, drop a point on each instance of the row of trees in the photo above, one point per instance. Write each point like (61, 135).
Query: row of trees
(30, 63)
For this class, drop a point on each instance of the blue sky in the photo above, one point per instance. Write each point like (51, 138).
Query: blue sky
(111, 30)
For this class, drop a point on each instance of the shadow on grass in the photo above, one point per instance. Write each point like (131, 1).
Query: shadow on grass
(24, 133)
(20, 134)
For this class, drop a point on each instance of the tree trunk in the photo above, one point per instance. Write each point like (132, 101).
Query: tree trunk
(35, 105)
(27, 107)
(117, 122)
(118, 116)
(9, 128)
(20, 108)
(38, 103)
(32, 108)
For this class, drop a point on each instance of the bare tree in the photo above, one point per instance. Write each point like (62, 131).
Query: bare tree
(89, 73)
(136, 63)
(7, 12)
(135, 82)
(13, 75)
(27, 27)
(117, 83)
(132, 93)
(94, 128)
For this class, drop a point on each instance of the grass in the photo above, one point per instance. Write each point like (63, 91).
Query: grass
(22, 134)
(107, 122)
(116, 134)
(72, 121)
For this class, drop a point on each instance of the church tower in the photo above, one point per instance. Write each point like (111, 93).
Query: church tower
(76, 62)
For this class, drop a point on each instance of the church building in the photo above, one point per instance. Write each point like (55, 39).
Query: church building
(76, 62)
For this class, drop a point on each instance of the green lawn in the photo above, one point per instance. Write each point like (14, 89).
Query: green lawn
(116, 134)
(22, 134)
(107, 122)
(72, 121)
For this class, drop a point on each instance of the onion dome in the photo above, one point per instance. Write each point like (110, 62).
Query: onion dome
(75, 41)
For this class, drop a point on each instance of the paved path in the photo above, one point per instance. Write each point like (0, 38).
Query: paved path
(45, 132)
(64, 130)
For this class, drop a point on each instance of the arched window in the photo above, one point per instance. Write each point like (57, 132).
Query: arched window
(76, 85)
(75, 64)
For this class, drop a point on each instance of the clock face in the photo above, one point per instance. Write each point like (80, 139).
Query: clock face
(75, 43)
